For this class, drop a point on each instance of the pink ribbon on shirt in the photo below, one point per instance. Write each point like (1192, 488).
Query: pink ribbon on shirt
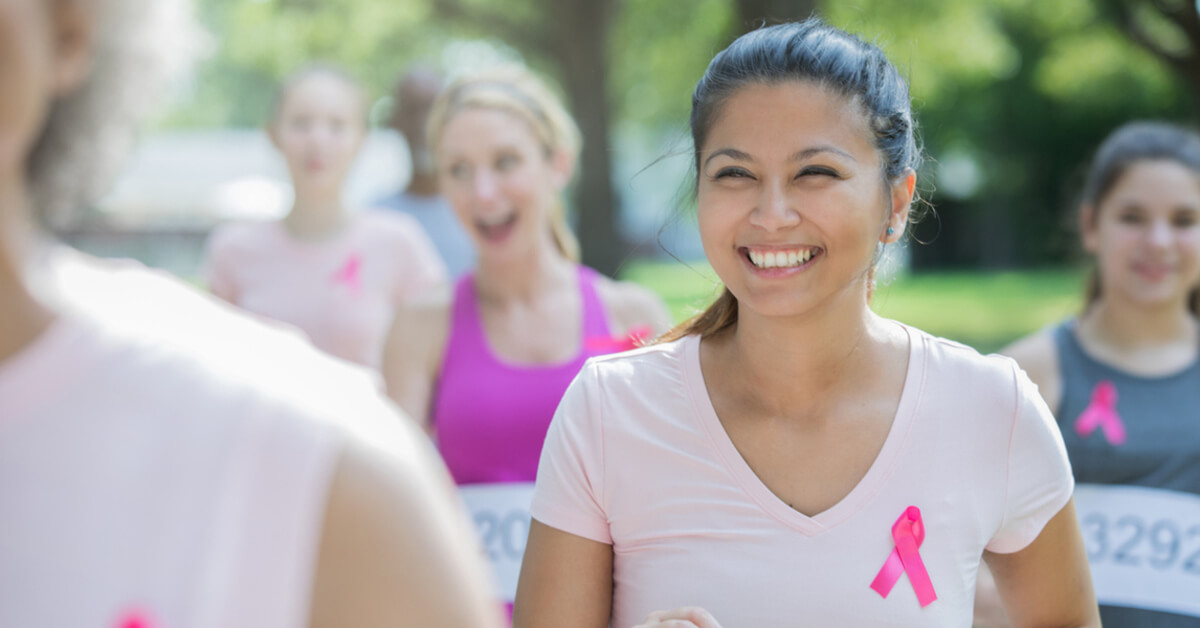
(908, 533)
(135, 619)
(1102, 413)
(350, 273)
(616, 344)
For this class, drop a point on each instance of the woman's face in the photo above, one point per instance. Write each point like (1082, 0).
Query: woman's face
(791, 201)
(319, 130)
(43, 52)
(1145, 234)
(500, 180)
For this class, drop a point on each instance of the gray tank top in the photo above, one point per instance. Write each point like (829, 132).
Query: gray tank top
(1161, 417)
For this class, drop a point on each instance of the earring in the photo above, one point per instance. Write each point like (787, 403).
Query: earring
(891, 231)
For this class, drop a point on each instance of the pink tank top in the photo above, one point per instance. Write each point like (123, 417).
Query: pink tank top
(491, 417)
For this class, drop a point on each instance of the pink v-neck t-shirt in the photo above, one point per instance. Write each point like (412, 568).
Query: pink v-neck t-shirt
(341, 292)
(636, 457)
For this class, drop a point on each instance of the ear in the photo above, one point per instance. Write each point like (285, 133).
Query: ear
(902, 191)
(1087, 228)
(562, 165)
(73, 22)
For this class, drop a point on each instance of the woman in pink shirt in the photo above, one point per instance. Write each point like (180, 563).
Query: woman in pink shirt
(335, 274)
(789, 458)
(164, 460)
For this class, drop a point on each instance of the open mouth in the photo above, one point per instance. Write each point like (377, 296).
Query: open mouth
(767, 259)
(496, 228)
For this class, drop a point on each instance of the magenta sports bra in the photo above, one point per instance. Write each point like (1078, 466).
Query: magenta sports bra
(491, 417)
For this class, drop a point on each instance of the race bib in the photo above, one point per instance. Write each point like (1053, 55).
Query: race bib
(501, 516)
(1143, 545)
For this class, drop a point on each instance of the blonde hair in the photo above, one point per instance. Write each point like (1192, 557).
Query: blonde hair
(519, 92)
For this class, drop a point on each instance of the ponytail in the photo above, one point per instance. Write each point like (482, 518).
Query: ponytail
(719, 316)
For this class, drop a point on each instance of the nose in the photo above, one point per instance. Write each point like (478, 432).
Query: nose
(1160, 233)
(484, 184)
(774, 210)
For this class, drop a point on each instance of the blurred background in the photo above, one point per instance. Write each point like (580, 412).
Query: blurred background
(1011, 97)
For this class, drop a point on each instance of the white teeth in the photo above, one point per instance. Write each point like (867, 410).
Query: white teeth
(498, 219)
(780, 259)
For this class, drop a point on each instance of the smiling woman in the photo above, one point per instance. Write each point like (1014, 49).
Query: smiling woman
(1123, 378)
(788, 455)
(484, 369)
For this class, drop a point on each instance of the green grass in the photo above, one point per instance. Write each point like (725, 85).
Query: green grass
(984, 310)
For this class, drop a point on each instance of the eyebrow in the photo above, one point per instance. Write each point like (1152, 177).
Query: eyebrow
(738, 155)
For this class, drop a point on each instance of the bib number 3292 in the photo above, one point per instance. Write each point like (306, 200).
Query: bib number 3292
(1143, 545)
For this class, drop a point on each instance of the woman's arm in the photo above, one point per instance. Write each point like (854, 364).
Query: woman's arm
(1047, 584)
(566, 580)
(412, 357)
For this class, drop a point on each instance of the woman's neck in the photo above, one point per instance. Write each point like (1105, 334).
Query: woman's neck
(523, 278)
(316, 214)
(25, 317)
(796, 361)
(1123, 326)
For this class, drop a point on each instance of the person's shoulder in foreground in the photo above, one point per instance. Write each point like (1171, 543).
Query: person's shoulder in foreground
(375, 533)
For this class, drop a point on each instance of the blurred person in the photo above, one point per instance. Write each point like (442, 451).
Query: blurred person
(413, 98)
(1123, 378)
(164, 460)
(336, 274)
(484, 370)
(788, 457)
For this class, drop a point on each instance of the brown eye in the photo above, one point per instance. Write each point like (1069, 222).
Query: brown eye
(818, 171)
(733, 173)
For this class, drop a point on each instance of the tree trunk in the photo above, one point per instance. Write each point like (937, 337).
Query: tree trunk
(580, 45)
(1184, 15)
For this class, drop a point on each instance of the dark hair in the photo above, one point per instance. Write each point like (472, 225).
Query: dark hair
(1129, 144)
(816, 52)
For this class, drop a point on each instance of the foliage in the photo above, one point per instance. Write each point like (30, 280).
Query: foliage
(1012, 95)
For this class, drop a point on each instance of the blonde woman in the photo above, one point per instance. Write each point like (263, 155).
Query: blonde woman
(484, 369)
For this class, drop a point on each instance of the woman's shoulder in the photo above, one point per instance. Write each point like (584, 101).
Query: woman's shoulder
(387, 224)
(630, 305)
(425, 315)
(966, 369)
(1036, 353)
(656, 366)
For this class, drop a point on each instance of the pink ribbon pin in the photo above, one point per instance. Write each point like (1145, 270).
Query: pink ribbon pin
(1102, 413)
(135, 620)
(908, 533)
(632, 340)
(349, 273)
